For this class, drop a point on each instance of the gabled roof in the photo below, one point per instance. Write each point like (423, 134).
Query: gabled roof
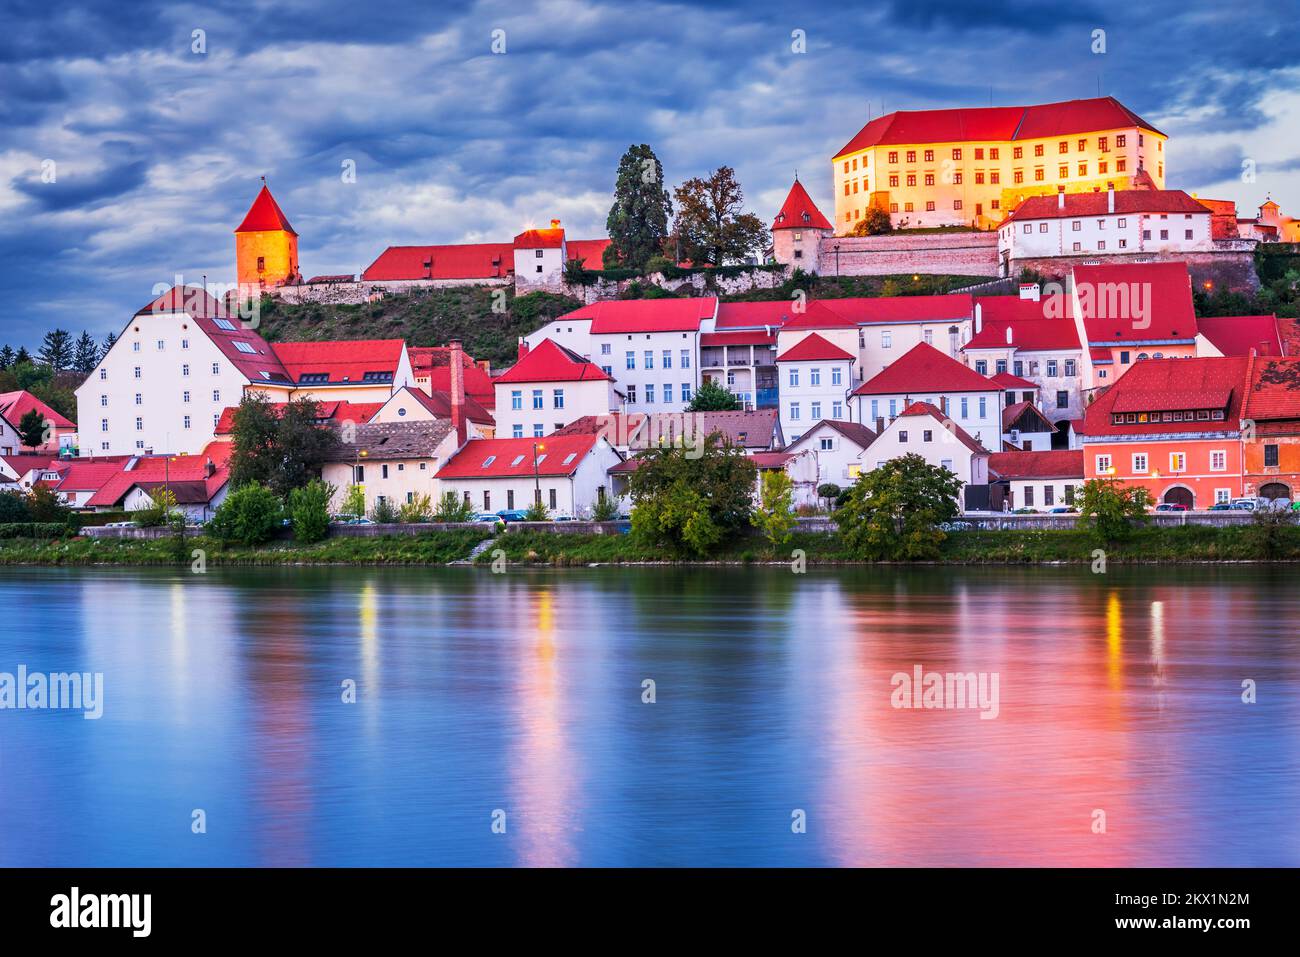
(539, 239)
(817, 314)
(1170, 385)
(756, 429)
(800, 212)
(1137, 302)
(924, 369)
(552, 362)
(1012, 416)
(590, 251)
(1272, 389)
(265, 214)
(855, 432)
(89, 475)
(1007, 382)
(23, 463)
(812, 348)
(434, 363)
(873, 310)
(384, 441)
(1062, 463)
(342, 362)
(162, 468)
(14, 405)
(753, 315)
(456, 261)
(929, 409)
(1237, 335)
(557, 455)
(439, 404)
(998, 123)
(333, 410)
(644, 315)
(1097, 203)
(1047, 324)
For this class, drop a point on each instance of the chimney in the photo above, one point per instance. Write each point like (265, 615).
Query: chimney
(523, 349)
(555, 224)
(209, 468)
(979, 318)
(1110, 197)
(880, 424)
(1060, 197)
(458, 392)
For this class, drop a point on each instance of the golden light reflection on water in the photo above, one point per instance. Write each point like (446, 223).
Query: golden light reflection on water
(1114, 640)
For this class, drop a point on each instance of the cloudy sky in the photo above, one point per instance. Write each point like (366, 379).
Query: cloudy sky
(156, 150)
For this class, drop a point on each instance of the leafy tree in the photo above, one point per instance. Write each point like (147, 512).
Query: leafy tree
(162, 510)
(6, 357)
(711, 227)
(354, 502)
(418, 509)
(892, 513)
(605, 509)
(690, 503)
(280, 449)
(638, 221)
(874, 222)
(56, 349)
(85, 355)
(250, 515)
(32, 430)
(45, 505)
(309, 510)
(13, 508)
(1111, 508)
(711, 397)
(453, 508)
(830, 492)
(775, 515)
(537, 512)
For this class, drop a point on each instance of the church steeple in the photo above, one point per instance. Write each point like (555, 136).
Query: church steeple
(266, 245)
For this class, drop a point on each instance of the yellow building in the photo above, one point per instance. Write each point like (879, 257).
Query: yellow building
(266, 247)
(971, 167)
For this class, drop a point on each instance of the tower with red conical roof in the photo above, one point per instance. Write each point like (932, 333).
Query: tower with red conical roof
(798, 231)
(266, 246)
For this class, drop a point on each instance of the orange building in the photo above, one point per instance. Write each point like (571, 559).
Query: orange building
(1172, 426)
(266, 247)
(1271, 427)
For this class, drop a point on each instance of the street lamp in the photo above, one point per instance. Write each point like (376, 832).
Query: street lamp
(837, 260)
(537, 481)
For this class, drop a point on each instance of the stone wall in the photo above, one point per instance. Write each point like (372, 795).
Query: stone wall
(896, 254)
(1231, 265)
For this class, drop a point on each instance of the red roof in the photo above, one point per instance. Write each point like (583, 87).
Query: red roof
(1272, 389)
(1035, 326)
(1062, 463)
(811, 348)
(434, 362)
(460, 261)
(551, 362)
(161, 468)
(439, 404)
(800, 212)
(332, 411)
(753, 315)
(739, 337)
(934, 412)
(513, 458)
(342, 361)
(1138, 302)
(540, 239)
(1170, 385)
(590, 251)
(923, 368)
(645, 315)
(817, 315)
(1237, 335)
(14, 405)
(264, 214)
(1097, 204)
(1006, 380)
(223, 329)
(1012, 413)
(23, 463)
(770, 460)
(869, 310)
(998, 123)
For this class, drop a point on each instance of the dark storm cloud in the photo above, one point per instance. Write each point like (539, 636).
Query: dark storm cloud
(160, 150)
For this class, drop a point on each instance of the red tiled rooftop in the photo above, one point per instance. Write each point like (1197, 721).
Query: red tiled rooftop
(456, 261)
(1237, 335)
(552, 362)
(800, 212)
(644, 315)
(934, 412)
(812, 348)
(870, 310)
(924, 369)
(1063, 463)
(1097, 204)
(1113, 297)
(343, 361)
(1170, 385)
(14, 405)
(1272, 389)
(558, 455)
(265, 214)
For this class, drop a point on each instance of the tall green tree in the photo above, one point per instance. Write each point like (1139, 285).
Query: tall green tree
(775, 514)
(711, 397)
(22, 355)
(7, 355)
(56, 349)
(711, 226)
(85, 354)
(689, 500)
(1112, 508)
(638, 221)
(31, 429)
(280, 449)
(893, 512)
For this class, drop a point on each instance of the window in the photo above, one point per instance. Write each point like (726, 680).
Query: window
(1218, 460)
(794, 411)
(827, 445)
(1069, 495)
(139, 399)
(1069, 367)
(537, 399)
(1139, 463)
(893, 156)
(1048, 495)
(103, 400)
(893, 182)
(837, 411)
(631, 360)
(875, 409)
(139, 424)
(1063, 146)
(649, 359)
(686, 392)
(1062, 399)
(538, 432)
(216, 368)
(1103, 465)
(929, 206)
(794, 376)
(631, 394)
(814, 376)
(1270, 456)
(1000, 365)
(956, 204)
(103, 425)
(911, 179)
(1039, 174)
(686, 359)
(668, 358)
(552, 499)
(383, 469)
(137, 372)
(103, 374)
(216, 395)
(982, 366)
(649, 393)
(135, 347)
(983, 406)
(965, 407)
(516, 399)
(605, 348)
(816, 411)
(1177, 462)
(929, 179)
(517, 431)
(886, 340)
(1051, 367)
(902, 436)
(911, 156)
(927, 435)
(557, 398)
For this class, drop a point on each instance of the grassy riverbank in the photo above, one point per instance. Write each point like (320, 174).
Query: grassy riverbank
(1190, 543)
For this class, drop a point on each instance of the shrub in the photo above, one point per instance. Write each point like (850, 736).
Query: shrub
(161, 511)
(44, 505)
(605, 509)
(893, 512)
(33, 530)
(830, 492)
(309, 510)
(384, 512)
(773, 515)
(13, 508)
(250, 515)
(452, 508)
(1269, 531)
(354, 502)
(537, 512)
(1111, 508)
(419, 509)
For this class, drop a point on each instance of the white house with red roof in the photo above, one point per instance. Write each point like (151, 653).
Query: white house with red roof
(409, 404)
(889, 326)
(59, 432)
(548, 388)
(925, 430)
(839, 448)
(198, 483)
(355, 370)
(1041, 480)
(925, 375)
(649, 347)
(432, 367)
(798, 231)
(566, 473)
(815, 377)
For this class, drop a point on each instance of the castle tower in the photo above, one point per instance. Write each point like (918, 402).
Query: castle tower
(266, 246)
(798, 231)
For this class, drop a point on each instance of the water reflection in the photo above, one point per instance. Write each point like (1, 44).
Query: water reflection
(1118, 693)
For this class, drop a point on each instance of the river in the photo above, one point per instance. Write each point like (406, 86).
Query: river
(507, 719)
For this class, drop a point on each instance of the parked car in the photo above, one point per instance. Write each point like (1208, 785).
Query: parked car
(487, 518)
(563, 517)
(1248, 504)
(1222, 507)
(1062, 510)
(120, 525)
(512, 515)
(1170, 507)
(352, 520)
